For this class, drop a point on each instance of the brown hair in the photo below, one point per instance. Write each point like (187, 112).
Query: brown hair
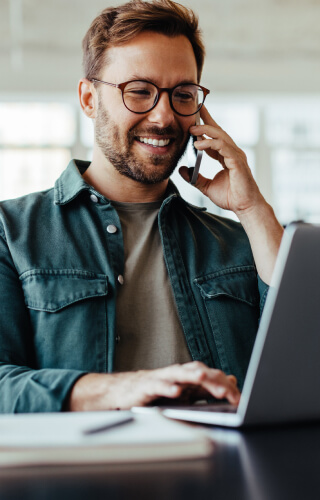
(115, 26)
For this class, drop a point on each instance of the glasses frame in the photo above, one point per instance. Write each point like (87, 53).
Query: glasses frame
(160, 90)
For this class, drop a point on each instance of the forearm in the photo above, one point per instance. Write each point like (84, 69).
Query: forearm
(24, 390)
(265, 234)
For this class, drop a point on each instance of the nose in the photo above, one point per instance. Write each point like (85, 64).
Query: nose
(162, 114)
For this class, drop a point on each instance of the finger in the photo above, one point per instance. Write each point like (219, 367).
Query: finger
(216, 381)
(158, 387)
(232, 379)
(192, 393)
(187, 373)
(224, 147)
(233, 156)
(222, 388)
(208, 131)
(195, 365)
(211, 145)
(202, 183)
(197, 373)
(203, 144)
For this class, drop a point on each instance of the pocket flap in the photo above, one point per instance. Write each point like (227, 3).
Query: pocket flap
(52, 290)
(239, 283)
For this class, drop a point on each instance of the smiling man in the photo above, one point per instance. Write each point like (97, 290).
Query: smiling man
(143, 150)
(114, 290)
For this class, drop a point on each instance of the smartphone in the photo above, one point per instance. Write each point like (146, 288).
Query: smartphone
(198, 158)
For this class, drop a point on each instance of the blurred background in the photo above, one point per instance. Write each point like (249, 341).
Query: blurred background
(262, 66)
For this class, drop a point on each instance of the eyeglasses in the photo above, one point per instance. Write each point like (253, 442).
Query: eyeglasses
(141, 96)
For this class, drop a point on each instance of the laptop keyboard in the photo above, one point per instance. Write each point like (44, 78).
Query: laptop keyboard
(220, 408)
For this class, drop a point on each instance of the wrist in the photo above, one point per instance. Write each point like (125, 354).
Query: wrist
(256, 214)
(87, 393)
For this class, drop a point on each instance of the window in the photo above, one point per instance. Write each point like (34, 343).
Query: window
(35, 145)
(280, 136)
(293, 134)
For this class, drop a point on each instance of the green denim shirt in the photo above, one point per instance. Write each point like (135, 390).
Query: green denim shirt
(59, 269)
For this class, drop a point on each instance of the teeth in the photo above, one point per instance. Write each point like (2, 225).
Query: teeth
(154, 142)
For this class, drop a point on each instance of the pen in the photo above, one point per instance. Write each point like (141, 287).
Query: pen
(105, 427)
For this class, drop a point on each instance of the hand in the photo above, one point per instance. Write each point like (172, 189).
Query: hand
(113, 391)
(234, 187)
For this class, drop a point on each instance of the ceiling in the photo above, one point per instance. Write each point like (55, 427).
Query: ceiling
(252, 45)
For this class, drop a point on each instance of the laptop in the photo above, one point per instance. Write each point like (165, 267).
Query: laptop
(282, 384)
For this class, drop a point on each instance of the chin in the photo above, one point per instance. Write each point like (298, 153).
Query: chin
(151, 177)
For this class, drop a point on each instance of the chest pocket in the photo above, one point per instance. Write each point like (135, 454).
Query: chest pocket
(232, 303)
(69, 317)
(52, 290)
(237, 283)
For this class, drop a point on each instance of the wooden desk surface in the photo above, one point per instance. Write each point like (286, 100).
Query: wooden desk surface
(268, 464)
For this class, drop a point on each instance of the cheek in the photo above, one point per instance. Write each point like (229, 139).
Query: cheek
(126, 120)
(186, 123)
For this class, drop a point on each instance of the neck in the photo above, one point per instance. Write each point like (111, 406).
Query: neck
(110, 183)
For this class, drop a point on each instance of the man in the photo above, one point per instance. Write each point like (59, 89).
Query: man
(114, 290)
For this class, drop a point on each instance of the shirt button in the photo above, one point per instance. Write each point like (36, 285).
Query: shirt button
(94, 198)
(120, 279)
(117, 339)
(112, 229)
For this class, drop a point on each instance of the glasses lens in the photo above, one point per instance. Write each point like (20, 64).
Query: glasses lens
(187, 99)
(139, 96)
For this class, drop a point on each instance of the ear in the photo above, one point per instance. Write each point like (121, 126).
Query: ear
(87, 97)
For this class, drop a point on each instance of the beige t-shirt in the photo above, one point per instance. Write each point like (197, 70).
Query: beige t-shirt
(148, 327)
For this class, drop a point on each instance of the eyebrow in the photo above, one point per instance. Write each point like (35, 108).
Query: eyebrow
(182, 82)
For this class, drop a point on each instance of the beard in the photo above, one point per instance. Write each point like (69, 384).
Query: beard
(117, 149)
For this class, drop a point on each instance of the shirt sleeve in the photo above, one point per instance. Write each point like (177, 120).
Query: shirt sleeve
(24, 388)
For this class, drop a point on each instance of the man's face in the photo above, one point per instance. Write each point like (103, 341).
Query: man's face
(120, 134)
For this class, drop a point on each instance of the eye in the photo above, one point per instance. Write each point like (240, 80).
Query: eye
(139, 90)
(142, 92)
(183, 96)
(187, 93)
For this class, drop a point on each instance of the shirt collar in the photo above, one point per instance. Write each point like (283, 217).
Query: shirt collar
(71, 183)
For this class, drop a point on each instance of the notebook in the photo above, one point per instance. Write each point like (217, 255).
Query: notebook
(105, 437)
(282, 384)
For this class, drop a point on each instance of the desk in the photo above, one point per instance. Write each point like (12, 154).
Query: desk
(264, 464)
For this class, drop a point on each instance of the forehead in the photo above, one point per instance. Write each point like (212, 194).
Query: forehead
(164, 60)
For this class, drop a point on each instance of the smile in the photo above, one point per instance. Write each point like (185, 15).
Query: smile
(154, 142)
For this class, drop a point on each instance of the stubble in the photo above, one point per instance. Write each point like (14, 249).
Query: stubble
(117, 150)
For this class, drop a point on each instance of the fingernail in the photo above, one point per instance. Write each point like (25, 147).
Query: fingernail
(220, 391)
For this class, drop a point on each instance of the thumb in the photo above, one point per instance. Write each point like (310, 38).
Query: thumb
(201, 182)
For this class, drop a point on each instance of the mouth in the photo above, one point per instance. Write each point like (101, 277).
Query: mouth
(152, 145)
(156, 143)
